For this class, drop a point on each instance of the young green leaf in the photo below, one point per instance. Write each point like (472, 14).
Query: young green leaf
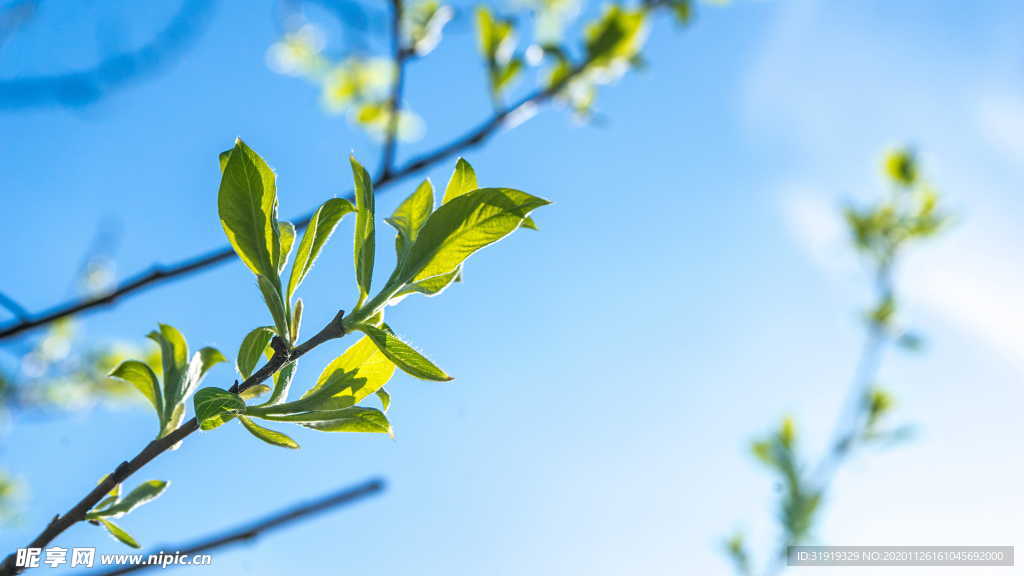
(252, 348)
(143, 493)
(174, 419)
(411, 215)
(202, 361)
(272, 297)
(463, 226)
(247, 205)
(364, 240)
(402, 355)
(215, 406)
(463, 180)
(174, 358)
(283, 382)
(319, 230)
(254, 392)
(385, 400)
(119, 533)
(429, 286)
(287, 233)
(365, 370)
(141, 376)
(267, 435)
(355, 419)
(296, 323)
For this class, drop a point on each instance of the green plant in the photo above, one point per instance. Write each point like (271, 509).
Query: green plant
(881, 232)
(432, 245)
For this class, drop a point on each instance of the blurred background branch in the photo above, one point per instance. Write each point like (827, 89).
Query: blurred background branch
(88, 85)
(250, 531)
(881, 233)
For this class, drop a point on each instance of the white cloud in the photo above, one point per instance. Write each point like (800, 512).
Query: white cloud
(1000, 115)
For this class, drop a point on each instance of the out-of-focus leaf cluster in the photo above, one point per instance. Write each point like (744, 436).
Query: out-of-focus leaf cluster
(511, 38)
(56, 375)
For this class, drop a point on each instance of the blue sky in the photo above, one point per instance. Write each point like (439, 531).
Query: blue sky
(689, 287)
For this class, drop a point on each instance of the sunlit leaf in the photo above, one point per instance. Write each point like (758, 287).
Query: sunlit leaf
(411, 215)
(462, 181)
(247, 205)
(319, 230)
(141, 376)
(251, 350)
(272, 298)
(355, 419)
(404, 356)
(362, 370)
(215, 406)
(364, 237)
(464, 225)
(287, 237)
(141, 494)
(119, 533)
(267, 435)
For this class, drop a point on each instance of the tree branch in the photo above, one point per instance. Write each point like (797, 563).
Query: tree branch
(399, 57)
(269, 523)
(334, 329)
(13, 307)
(163, 274)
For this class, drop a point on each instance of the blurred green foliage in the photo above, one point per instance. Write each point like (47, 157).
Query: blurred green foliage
(880, 231)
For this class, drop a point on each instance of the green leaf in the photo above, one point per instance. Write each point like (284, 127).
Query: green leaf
(174, 419)
(141, 494)
(403, 355)
(616, 36)
(215, 406)
(267, 435)
(282, 383)
(119, 533)
(462, 181)
(463, 226)
(141, 376)
(385, 400)
(247, 205)
(296, 323)
(411, 215)
(355, 419)
(360, 371)
(364, 240)
(272, 297)
(254, 392)
(319, 230)
(252, 348)
(430, 286)
(174, 358)
(287, 231)
(202, 361)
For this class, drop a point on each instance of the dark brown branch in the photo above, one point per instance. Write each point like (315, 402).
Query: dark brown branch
(162, 274)
(399, 55)
(255, 529)
(60, 523)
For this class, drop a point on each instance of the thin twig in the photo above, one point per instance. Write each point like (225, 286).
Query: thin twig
(399, 56)
(334, 329)
(13, 307)
(851, 418)
(269, 523)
